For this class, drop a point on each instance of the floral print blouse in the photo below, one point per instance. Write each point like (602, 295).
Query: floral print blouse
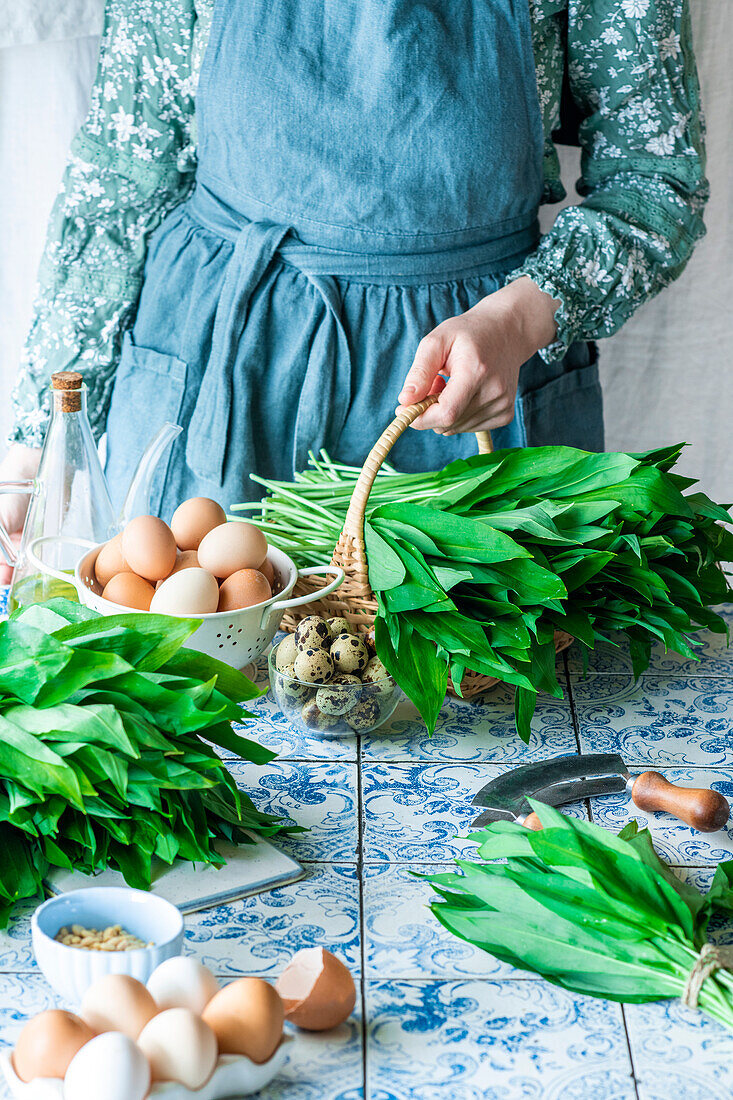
(630, 70)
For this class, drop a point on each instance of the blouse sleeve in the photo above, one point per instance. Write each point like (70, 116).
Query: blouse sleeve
(131, 162)
(632, 73)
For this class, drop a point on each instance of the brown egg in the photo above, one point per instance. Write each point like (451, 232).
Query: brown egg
(267, 569)
(118, 1002)
(195, 518)
(232, 546)
(187, 559)
(129, 590)
(244, 588)
(110, 561)
(47, 1044)
(317, 990)
(247, 1018)
(149, 547)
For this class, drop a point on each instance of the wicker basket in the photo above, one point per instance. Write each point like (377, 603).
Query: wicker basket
(354, 600)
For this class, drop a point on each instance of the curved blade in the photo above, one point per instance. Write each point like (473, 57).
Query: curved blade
(556, 781)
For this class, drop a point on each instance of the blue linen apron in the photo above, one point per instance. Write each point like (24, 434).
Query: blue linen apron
(367, 168)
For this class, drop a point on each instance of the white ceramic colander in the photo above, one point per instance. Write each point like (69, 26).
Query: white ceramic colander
(236, 637)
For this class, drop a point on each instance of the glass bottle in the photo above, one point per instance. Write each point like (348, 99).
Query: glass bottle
(69, 497)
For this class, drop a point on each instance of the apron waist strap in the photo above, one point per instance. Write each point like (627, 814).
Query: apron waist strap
(484, 251)
(256, 245)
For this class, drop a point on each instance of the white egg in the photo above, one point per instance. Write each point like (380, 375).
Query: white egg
(180, 1047)
(110, 1067)
(190, 592)
(182, 982)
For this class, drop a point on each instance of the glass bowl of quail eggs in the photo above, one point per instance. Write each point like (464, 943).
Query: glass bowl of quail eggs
(328, 680)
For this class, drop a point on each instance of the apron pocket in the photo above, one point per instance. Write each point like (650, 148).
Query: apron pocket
(568, 409)
(148, 391)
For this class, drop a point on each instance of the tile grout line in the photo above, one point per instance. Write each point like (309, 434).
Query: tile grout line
(362, 938)
(575, 721)
(589, 809)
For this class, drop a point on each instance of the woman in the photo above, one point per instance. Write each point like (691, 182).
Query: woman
(348, 218)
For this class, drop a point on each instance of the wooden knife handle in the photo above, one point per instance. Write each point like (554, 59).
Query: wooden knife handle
(532, 821)
(705, 810)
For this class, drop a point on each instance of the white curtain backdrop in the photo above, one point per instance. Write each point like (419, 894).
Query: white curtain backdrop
(666, 377)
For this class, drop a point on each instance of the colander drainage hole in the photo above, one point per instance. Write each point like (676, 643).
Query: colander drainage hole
(229, 637)
(219, 636)
(239, 631)
(230, 627)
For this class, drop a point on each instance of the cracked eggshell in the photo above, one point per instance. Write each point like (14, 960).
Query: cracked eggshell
(182, 982)
(247, 1018)
(47, 1044)
(180, 1047)
(109, 1067)
(317, 990)
(118, 1002)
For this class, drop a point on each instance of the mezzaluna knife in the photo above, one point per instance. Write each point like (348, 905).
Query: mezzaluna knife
(571, 778)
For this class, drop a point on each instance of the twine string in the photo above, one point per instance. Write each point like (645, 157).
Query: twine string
(710, 959)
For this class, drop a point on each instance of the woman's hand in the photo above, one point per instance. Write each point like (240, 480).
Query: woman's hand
(19, 464)
(481, 352)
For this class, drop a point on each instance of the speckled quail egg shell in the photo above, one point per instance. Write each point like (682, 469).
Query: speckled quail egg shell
(332, 699)
(338, 625)
(349, 653)
(314, 666)
(315, 719)
(378, 679)
(289, 691)
(364, 716)
(286, 653)
(313, 632)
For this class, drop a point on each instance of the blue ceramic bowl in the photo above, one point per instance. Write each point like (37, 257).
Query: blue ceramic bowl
(71, 970)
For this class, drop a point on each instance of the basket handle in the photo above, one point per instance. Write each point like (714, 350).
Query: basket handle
(354, 523)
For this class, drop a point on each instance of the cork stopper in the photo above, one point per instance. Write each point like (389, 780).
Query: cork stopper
(67, 384)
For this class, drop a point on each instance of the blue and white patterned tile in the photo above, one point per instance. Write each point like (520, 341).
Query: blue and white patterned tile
(474, 731)
(259, 935)
(319, 796)
(679, 1052)
(22, 996)
(485, 1040)
(402, 938)
(421, 813)
(675, 841)
(4, 590)
(16, 951)
(271, 728)
(326, 1066)
(611, 657)
(660, 720)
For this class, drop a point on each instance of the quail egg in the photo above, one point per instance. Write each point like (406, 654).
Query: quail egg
(313, 632)
(286, 653)
(338, 626)
(378, 679)
(334, 698)
(288, 691)
(364, 716)
(349, 653)
(314, 666)
(315, 718)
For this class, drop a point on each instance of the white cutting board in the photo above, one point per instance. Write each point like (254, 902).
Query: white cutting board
(250, 869)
